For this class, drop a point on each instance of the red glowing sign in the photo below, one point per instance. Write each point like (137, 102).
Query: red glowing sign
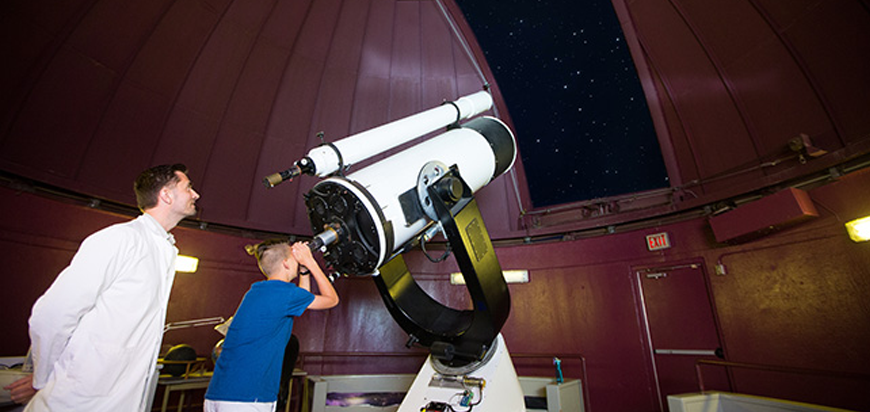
(658, 241)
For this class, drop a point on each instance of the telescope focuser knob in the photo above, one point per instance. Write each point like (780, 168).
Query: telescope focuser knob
(450, 189)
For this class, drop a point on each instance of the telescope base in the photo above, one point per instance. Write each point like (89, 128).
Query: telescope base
(501, 392)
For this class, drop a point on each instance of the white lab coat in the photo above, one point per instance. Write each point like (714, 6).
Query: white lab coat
(96, 332)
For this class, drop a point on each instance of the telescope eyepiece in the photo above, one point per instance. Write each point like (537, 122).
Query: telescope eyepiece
(277, 178)
(304, 165)
(331, 233)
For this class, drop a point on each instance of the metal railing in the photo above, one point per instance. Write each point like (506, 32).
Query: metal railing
(774, 368)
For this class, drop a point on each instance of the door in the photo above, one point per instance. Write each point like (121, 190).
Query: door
(680, 328)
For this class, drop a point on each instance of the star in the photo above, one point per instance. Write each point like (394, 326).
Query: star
(594, 125)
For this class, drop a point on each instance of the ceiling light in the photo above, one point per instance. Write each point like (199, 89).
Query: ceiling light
(510, 276)
(186, 264)
(859, 229)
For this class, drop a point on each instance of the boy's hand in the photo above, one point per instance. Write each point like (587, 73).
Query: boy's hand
(302, 254)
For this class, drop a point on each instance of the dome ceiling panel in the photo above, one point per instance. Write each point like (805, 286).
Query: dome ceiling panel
(730, 83)
(725, 44)
(785, 14)
(832, 42)
(769, 115)
(94, 91)
(437, 59)
(700, 95)
(168, 52)
(405, 54)
(125, 139)
(125, 23)
(67, 100)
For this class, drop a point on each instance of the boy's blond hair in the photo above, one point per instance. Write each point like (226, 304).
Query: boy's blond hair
(269, 255)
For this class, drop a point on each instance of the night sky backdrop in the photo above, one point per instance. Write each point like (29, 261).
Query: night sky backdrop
(571, 87)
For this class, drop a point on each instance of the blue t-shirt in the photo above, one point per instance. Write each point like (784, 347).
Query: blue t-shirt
(249, 367)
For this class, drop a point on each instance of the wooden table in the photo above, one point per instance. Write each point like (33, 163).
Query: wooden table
(194, 377)
(200, 380)
(301, 376)
(182, 384)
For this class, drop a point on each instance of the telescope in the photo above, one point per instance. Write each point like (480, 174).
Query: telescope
(329, 158)
(364, 222)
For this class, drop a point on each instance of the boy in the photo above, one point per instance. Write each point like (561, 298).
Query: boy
(248, 370)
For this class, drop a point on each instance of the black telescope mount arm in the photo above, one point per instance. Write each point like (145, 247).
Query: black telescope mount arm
(455, 338)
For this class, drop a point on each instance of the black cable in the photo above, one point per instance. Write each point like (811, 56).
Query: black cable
(426, 252)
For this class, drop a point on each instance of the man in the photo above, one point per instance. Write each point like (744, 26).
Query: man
(96, 332)
(248, 369)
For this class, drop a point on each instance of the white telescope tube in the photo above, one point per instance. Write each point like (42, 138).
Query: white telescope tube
(327, 159)
(374, 207)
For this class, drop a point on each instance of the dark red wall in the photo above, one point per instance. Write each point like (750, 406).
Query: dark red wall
(793, 298)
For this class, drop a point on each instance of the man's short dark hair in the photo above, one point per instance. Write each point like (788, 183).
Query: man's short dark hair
(149, 183)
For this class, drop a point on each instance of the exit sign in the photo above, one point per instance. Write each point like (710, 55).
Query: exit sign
(658, 241)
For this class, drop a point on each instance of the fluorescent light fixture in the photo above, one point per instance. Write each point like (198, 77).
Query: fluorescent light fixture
(859, 229)
(510, 276)
(186, 264)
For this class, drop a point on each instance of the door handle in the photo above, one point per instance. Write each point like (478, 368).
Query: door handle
(690, 352)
